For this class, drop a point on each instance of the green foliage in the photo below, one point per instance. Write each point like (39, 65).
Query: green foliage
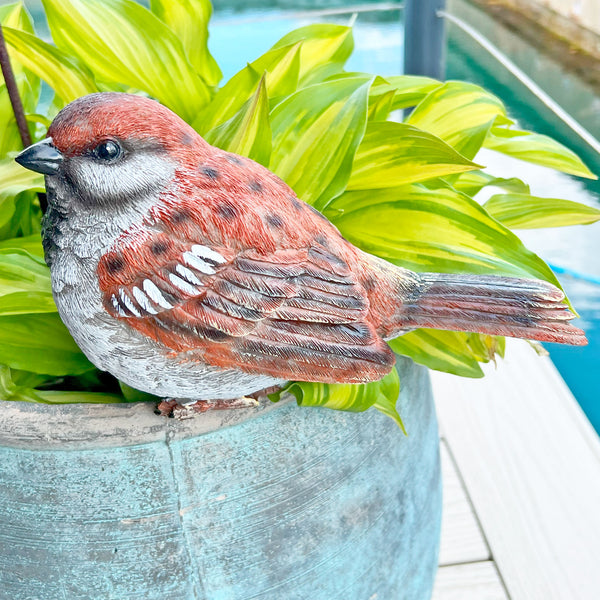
(381, 395)
(403, 191)
(123, 43)
(460, 113)
(437, 229)
(20, 386)
(538, 149)
(316, 132)
(392, 154)
(523, 211)
(248, 132)
(188, 19)
(40, 343)
(65, 75)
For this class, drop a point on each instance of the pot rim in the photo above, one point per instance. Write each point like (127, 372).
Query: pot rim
(36, 426)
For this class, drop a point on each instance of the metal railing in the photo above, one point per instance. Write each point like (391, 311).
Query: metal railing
(531, 85)
(354, 9)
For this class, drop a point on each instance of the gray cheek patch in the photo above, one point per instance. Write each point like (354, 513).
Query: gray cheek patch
(137, 174)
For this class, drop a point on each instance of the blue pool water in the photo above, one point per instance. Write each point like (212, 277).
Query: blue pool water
(379, 48)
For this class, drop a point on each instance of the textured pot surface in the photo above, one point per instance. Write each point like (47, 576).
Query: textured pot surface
(285, 503)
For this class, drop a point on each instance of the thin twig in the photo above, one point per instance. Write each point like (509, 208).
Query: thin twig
(13, 92)
(17, 105)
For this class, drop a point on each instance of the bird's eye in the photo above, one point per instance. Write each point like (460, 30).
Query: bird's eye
(108, 151)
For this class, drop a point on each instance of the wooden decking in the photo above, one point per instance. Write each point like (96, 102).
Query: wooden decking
(521, 468)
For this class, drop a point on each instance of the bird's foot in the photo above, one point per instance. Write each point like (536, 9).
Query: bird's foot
(264, 393)
(186, 409)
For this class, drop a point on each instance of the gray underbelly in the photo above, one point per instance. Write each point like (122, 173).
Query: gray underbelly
(113, 346)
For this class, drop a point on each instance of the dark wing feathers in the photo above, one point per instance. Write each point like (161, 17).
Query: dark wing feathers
(295, 314)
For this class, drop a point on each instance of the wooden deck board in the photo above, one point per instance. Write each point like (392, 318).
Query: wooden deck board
(462, 540)
(472, 581)
(531, 465)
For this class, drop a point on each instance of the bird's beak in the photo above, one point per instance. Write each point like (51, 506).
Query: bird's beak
(42, 157)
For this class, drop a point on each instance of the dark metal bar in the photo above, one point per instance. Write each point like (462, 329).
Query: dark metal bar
(424, 38)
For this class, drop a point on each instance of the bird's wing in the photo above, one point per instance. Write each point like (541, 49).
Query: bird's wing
(292, 313)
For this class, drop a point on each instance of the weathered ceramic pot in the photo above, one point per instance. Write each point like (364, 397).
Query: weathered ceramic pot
(285, 503)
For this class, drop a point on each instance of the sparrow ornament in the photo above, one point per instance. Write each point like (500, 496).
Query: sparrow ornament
(198, 275)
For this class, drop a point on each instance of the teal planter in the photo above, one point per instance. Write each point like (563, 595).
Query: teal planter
(284, 503)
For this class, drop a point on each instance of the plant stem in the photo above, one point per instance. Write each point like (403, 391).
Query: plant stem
(13, 92)
(15, 101)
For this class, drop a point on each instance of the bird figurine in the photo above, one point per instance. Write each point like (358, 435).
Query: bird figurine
(199, 276)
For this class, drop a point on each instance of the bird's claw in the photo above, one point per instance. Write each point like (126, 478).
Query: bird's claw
(181, 409)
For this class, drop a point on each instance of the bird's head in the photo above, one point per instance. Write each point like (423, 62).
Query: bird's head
(110, 149)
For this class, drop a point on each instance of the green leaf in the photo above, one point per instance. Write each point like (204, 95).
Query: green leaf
(410, 89)
(11, 390)
(40, 343)
(486, 347)
(459, 113)
(281, 67)
(20, 271)
(188, 19)
(538, 149)
(15, 15)
(316, 132)
(61, 397)
(387, 398)
(522, 211)
(24, 284)
(324, 51)
(14, 179)
(132, 395)
(248, 132)
(228, 100)
(474, 181)
(439, 230)
(19, 303)
(122, 42)
(381, 394)
(31, 244)
(407, 90)
(32, 380)
(393, 154)
(380, 106)
(26, 216)
(10, 139)
(446, 351)
(64, 74)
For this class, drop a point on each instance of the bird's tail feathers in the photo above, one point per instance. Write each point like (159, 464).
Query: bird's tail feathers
(524, 308)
